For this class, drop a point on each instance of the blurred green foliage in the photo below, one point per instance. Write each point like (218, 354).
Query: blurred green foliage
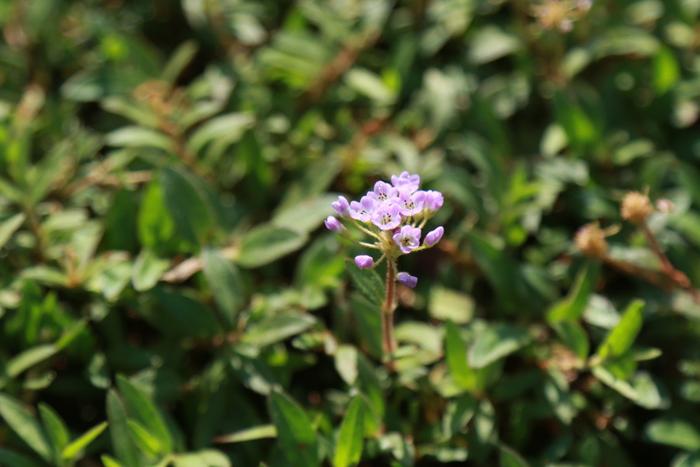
(167, 293)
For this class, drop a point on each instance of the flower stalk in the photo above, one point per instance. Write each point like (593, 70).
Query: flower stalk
(393, 215)
(388, 307)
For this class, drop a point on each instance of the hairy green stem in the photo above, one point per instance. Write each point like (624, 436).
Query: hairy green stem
(388, 341)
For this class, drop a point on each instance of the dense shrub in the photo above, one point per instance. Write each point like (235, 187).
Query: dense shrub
(169, 296)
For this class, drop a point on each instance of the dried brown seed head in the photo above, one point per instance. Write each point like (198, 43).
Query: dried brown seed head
(636, 207)
(590, 240)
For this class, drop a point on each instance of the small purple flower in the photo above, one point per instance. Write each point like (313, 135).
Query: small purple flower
(364, 261)
(333, 224)
(406, 181)
(434, 236)
(408, 238)
(407, 279)
(433, 200)
(363, 210)
(341, 206)
(387, 217)
(410, 204)
(382, 192)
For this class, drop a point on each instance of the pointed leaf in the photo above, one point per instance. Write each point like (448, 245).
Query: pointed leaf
(348, 450)
(22, 422)
(295, 434)
(77, 446)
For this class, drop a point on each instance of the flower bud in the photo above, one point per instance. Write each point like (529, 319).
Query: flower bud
(407, 279)
(333, 224)
(341, 206)
(434, 236)
(364, 261)
(590, 240)
(636, 207)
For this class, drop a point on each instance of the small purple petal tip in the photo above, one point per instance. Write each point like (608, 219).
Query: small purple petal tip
(434, 236)
(364, 261)
(407, 279)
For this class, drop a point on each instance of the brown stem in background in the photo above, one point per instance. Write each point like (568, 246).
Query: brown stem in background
(678, 278)
(388, 341)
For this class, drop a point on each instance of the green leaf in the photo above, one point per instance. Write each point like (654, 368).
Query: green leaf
(249, 434)
(277, 328)
(225, 282)
(573, 306)
(205, 458)
(55, 429)
(147, 442)
(348, 449)
(674, 432)
(189, 206)
(139, 137)
(295, 434)
(620, 339)
(156, 226)
(456, 356)
(267, 243)
(641, 389)
(147, 270)
(304, 216)
(574, 337)
(666, 71)
(22, 422)
(122, 443)
(145, 412)
(495, 342)
(368, 283)
(77, 446)
(14, 459)
(109, 461)
(9, 227)
(446, 304)
(510, 458)
(27, 359)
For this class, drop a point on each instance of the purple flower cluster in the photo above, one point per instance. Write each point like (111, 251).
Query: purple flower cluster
(393, 214)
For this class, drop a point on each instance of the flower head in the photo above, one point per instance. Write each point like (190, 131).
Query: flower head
(407, 238)
(387, 216)
(364, 261)
(407, 279)
(393, 215)
(341, 206)
(434, 236)
(333, 224)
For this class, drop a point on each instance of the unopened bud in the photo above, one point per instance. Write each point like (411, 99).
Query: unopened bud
(590, 240)
(636, 207)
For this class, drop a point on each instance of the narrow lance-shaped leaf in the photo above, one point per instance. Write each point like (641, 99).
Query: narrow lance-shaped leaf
(56, 430)
(123, 445)
(25, 425)
(72, 450)
(225, 281)
(572, 307)
(348, 450)
(622, 336)
(295, 434)
(145, 411)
